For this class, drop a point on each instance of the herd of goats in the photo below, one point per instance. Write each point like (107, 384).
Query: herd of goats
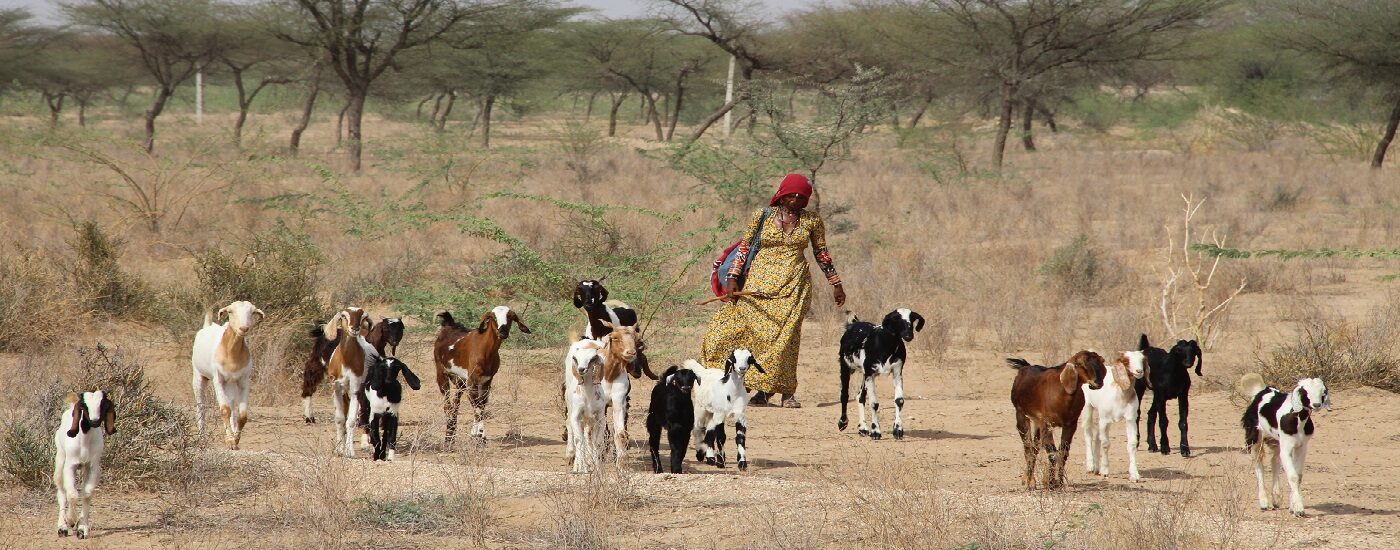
(689, 402)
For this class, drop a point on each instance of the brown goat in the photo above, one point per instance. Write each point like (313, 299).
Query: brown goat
(346, 369)
(1046, 398)
(313, 372)
(469, 358)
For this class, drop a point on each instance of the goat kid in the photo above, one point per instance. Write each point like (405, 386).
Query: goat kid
(602, 315)
(619, 351)
(382, 394)
(220, 354)
(875, 350)
(77, 459)
(347, 367)
(468, 359)
(1169, 378)
(1277, 428)
(721, 395)
(1111, 403)
(671, 409)
(1046, 398)
(585, 404)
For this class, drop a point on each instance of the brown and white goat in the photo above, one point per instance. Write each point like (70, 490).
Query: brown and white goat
(619, 352)
(1049, 397)
(383, 335)
(346, 368)
(469, 359)
(220, 354)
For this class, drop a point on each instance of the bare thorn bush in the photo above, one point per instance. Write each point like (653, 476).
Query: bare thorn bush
(1186, 302)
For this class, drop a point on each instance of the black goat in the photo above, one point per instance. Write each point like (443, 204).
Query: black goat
(1169, 377)
(876, 350)
(592, 298)
(671, 408)
(380, 396)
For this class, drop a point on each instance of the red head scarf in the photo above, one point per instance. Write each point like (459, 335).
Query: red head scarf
(792, 184)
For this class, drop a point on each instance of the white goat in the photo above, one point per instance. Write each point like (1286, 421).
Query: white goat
(1115, 400)
(585, 402)
(221, 354)
(721, 394)
(78, 455)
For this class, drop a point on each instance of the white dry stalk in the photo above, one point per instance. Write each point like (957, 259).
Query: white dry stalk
(1205, 323)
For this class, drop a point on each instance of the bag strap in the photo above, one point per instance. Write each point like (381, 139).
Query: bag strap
(762, 219)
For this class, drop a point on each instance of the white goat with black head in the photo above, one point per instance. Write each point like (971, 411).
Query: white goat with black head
(77, 460)
(874, 350)
(1277, 428)
(720, 394)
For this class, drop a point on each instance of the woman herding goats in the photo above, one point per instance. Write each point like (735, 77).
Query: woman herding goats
(770, 323)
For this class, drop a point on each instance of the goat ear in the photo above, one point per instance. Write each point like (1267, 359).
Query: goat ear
(109, 416)
(606, 323)
(515, 318)
(485, 320)
(757, 366)
(918, 321)
(1069, 378)
(408, 376)
(259, 313)
(578, 298)
(1142, 343)
(75, 402)
(603, 292)
(220, 315)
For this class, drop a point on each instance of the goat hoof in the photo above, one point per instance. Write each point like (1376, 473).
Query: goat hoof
(863, 431)
(1166, 451)
(309, 420)
(743, 465)
(699, 456)
(875, 435)
(1185, 452)
(898, 434)
(1151, 448)
(83, 532)
(841, 424)
(62, 531)
(710, 460)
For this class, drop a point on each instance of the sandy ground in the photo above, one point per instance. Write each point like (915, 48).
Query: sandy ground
(809, 485)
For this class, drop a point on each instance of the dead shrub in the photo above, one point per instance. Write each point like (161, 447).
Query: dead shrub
(154, 443)
(99, 279)
(37, 310)
(1343, 353)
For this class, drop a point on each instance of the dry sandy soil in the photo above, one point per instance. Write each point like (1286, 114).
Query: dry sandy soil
(952, 481)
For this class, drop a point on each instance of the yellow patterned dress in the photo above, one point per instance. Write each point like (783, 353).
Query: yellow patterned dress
(771, 326)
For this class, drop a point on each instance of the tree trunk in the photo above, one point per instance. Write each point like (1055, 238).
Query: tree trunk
(612, 114)
(55, 102)
(340, 124)
(655, 117)
(437, 108)
(1387, 137)
(354, 115)
(418, 113)
(1008, 103)
(162, 95)
(713, 118)
(476, 119)
(676, 114)
(486, 107)
(447, 111)
(589, 113)
(313, 89)
(82, 111)
(1049, 119)
(894, 117)
(1027, 113)
(919, 114)
(242, 107)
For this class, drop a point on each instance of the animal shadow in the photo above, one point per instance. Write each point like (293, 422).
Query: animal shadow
(1340, 509)
(940, 434)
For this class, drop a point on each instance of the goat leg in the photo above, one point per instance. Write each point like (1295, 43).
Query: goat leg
(1165, 446)
(376, 421)
(1182, 407)
(677, 435)
(845, 396)
(391, 436)
(654, 422)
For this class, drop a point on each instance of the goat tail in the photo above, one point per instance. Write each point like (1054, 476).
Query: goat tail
(208, 318)
(850, 317)
(1017, 362)
(445, 319)
(1250, 385)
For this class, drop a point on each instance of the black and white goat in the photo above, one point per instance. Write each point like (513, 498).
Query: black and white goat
(1277, 427)
(721, 395)
(671, 409)
(592, 297)
(875, 350)
(1169, 377)
(380, 396)
(77, 459)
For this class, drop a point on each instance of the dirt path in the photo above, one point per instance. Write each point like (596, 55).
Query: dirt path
(953, 478)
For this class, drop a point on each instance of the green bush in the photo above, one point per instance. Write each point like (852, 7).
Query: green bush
(278, 270)
(154, 443)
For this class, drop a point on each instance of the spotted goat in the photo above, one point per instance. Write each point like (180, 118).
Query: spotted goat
(875, 350)
(1277, 428)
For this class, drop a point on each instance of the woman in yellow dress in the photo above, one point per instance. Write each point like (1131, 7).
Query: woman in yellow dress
(770, 324)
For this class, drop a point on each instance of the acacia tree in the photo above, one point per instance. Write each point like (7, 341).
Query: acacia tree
(728, 25)
(1018, 43)
(74, 68)
(172, 39)
(1358, 40)
(641, 56)
(249, 48)
(364, 38)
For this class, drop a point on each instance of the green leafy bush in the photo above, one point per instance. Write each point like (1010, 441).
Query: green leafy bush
(278, 270)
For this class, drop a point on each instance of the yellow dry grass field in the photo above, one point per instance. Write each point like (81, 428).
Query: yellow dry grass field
(975, 254)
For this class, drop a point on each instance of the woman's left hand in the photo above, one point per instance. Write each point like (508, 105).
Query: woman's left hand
(839, 294)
